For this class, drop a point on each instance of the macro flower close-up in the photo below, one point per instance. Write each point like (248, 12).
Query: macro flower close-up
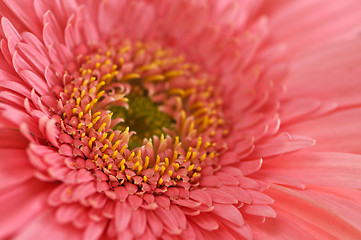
(180, 119)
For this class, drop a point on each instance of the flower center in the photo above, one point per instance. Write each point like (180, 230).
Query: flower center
(140, 116)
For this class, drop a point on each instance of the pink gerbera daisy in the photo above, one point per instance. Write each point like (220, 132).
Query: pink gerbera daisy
(180, 119)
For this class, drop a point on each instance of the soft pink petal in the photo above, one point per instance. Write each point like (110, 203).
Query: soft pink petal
(123, 215)
(95, 229)
(303, 28)
(19, 205)
(280, 144)
(138, 222)
(44, 227)
(11, 138)
(205, 221)
(337, 131)
(331, 74)
(318, 217)
(15, 168)
(327, 169)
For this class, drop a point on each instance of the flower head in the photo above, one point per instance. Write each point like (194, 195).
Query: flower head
(171, 120)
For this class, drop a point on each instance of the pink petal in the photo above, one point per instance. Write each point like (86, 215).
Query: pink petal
(17, 212)
(11, 138)
(201, 196)
(44, 226)
(95, 229)
(318, 28)
(179, 215)
(282, 143)
(154, 223)
(251, 166)
(328, 169)
(123, 215)
(345, 126)
(260, 210)
(219, 196)
(10, 33)
(67, 213)
(169, 222)
(228, 212)
(34, 81)
(138, 222)
(15, 168)
(206, 222)
(317, 216)
(309, 78)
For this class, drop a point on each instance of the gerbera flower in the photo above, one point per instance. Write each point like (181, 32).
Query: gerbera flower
(180, 119)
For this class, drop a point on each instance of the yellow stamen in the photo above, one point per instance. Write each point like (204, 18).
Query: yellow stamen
(101, 84)
(203, 157)
(102, 127)
(136, 165)
(194, 154)
(139, 155)
(131, 156)
(100, 94)
(104, 147)
(104, 136)
(157, 161)
(146, 162)
(155, 78)
(176, 141)
(174, 73)
(140, 168)
(95, 120)
(162, 170)
(176, 91)
(189, 153)
(111, 137)
(87, 107)
(85, 82)
(80, 115)
(197, 105)
(90, 126)
(115, 153)
(91, 142)
(190, 168)
(130, 76)
(123, 149)
(200, 112)
(115, 145)
(199, 143)
(176, 166)
(175, 155)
